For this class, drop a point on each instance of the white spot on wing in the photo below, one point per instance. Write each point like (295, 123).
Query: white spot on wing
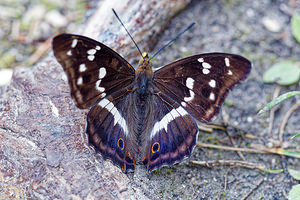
(200, 60)
(212, 83)
(102, 72)
(229, 72)
(205, 71)
(91, 57)
(190, 83)
(98, 83)
(163, 123)
(92, 51)
(74, 43)
(118, 119)
(183, 104)
(79, 81)
(206, 65)
(69, 53)
(212, 96)
(98, 48)
(191, 97)
(82, 67)
(100, 89)
(103, 94)
(227, 62)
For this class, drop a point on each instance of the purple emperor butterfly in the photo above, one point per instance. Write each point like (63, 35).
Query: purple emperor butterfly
(144, 115)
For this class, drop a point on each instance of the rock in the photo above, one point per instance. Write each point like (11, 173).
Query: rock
(35, 13)
(271, 24)
(5, 76)
(56, 19)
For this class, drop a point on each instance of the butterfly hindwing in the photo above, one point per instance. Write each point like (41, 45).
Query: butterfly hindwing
(93, 69)
(200, 83)
(173, 135)
(108, 130)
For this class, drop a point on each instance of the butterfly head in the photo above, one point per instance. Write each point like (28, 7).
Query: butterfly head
(145, 59)
(145, 65)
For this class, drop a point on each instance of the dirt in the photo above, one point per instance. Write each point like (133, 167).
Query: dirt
(233, 27)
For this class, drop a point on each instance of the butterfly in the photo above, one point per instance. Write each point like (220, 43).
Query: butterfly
(143, 115)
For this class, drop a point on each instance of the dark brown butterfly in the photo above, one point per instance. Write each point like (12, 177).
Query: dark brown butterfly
(144, 115)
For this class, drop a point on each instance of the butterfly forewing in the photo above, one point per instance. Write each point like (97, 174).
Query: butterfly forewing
(200, 83)
(93, 69)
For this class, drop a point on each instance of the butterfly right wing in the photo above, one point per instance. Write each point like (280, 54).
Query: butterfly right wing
(173, 135)
(193, 87)
(93, 69)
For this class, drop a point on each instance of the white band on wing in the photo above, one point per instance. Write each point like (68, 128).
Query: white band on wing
(110, 107)
(163, 123)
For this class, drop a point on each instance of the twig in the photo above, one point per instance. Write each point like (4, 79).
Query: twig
(40, 51)
(284, 194)
(233, 144)
(258, 149)
(210, 127)
(275, 95)
(234, 163)
(205, 128)
(225, 179)
(256, 186)
(216, 126)
(285, 119)
(250, 136)
(285, 152)
(200, 144)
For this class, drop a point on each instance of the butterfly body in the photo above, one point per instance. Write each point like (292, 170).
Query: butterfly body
(145, 116)
(144, 76)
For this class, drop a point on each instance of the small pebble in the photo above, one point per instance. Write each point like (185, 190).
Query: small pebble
(34, 13)
(271, 24)
(5, 76)
(249, 119)
(56, 19)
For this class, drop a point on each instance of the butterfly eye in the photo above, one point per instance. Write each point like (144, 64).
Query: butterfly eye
(155, 147)
(121, 143)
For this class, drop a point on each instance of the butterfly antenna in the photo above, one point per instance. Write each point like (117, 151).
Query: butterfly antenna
(190, 26)
(127, 31)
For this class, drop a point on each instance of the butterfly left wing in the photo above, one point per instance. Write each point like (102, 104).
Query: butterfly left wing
(200, 83)
(93, 69)
(99, 78)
